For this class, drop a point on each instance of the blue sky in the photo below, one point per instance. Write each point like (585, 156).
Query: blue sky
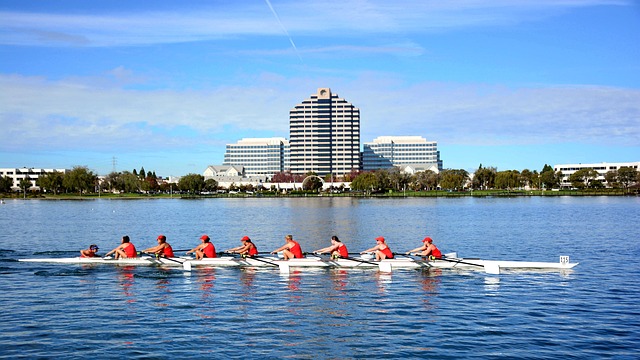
(165, 85)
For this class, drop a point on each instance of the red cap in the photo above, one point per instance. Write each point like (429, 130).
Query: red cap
(380, 238)
(162, 237)
(246, 238)
(427, 239)
(204, 237)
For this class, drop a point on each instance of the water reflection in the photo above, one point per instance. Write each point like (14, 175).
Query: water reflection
(339, 278)
(383, 280)
(430, 284)
(125, 281)
(492, 285)
(206, 279)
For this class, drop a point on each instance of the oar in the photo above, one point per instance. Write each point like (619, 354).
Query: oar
(382, 266)
(284, 268)
(186, 265)
(489, 269)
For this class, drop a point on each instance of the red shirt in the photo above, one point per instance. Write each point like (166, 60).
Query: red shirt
(130, 251)
(342, 250)
(253, 250)
(168, 251)
(436, 252)
(209, 251)
(296, 250)
(387, 252)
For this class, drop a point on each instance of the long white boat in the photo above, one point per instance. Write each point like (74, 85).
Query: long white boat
(387, 265)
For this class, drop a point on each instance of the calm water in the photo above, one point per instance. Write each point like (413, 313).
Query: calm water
(68, 311)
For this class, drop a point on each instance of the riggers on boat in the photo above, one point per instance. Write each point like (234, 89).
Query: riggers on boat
(360, 262)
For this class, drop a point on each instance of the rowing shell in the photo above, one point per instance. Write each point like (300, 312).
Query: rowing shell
(399, 262)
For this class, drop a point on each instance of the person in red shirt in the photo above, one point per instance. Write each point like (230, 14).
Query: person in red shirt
(291, 249)
(381, 250)
(337, 249)
(427, 249)
(90, 252)
(246, 249)
(125, 250)
(162, 249)
(204, 250)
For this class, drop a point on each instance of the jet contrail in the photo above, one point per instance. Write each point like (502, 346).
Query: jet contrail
(283, 29)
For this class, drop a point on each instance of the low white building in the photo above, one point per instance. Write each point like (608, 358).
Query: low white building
(259, 157)
(385, 152)
(601, 168)
(32, 174)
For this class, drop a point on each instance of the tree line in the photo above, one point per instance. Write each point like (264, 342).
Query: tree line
(485, 178)
(82, 180)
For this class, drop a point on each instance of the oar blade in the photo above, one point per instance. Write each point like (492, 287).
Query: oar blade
(491, 268)
(384, 266)
(186, 265)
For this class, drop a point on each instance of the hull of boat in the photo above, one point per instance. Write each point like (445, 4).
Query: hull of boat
(317, 262)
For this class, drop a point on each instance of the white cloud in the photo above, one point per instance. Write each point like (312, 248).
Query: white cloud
(40, 114)
(341, 18)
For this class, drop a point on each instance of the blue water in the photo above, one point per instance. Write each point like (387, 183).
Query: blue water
(71, 311)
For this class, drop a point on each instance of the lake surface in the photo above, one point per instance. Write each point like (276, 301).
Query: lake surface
(71, 311)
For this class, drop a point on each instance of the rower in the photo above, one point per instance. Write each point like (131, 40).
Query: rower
(125, 250)
(204, 250)
(90, 252)
(427, 249)
(337, 249)
(162, 249)
(381, 250)
(247, 249)
(291, 249)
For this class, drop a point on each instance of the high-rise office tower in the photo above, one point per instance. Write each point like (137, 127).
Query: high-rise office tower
(324, 135)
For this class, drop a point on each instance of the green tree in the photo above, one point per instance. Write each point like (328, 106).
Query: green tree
(142, 174)
(25, 184)
(582, 178)
(5, 184)
(51, 181)
(366, 181)
(79, 179)
(210, 185)
(398, 180)
(611, 177)
(129, 182)
(191, 183)
(549, 178)
(627, 176)
(484, 178)
(509, 179)
(426, 180)
(453, 179)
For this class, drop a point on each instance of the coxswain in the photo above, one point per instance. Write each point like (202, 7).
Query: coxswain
(381, 250)
(427, 249)
(338, 250)
(204, 250)
(90, 252)
(162, 249)
(247, 249)
(291, 249)
(125, 250)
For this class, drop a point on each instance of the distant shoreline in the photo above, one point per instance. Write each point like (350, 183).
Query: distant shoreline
(394, 195)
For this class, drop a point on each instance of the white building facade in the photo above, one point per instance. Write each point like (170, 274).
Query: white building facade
(259, 157)
(32, 174)
(601, 168)
(324, 135)
(387, 152)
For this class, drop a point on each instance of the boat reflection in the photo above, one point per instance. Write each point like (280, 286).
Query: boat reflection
(125, 281)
